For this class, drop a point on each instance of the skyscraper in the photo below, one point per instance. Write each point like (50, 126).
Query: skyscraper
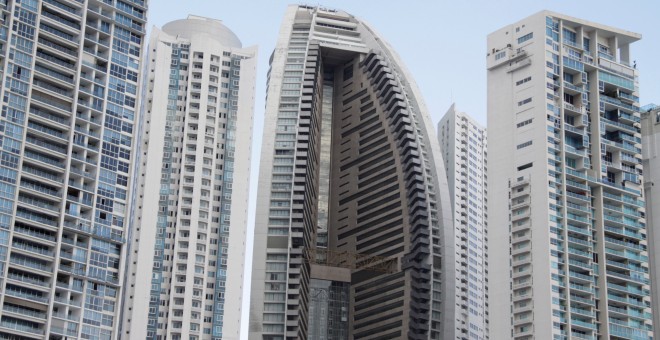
(70, 89)
(650, 121)
(353, 201)
(567, 238)
(188, 242)
(463, 143)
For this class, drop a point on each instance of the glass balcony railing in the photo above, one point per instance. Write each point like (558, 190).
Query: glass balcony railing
(20, 326)
(25, 294)
(61, 20)
(57, 47)
(54, 74)
(632, 277)
(618, 103)
(625, 244)
(46, 145)
(58, 90)
(43, 174)
(52, 103)
(24, 311)
(63, 7)
(43, 159)
(44, 114)
(58, 33)
(629, 289)
(33, 233)
(32, 249)
(38, 203)
(28, 279)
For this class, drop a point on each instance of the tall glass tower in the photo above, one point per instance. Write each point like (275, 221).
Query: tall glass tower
(568, 237)
(188, 242)
(353, 202)
(70, 89)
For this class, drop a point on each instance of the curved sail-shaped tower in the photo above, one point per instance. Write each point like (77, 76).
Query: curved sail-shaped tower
(353, 203)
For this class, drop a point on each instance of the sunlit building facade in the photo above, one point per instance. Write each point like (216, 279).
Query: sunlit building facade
(463, 143)
(70, 89)
(353, 204)
(568, 235)
(188, 238)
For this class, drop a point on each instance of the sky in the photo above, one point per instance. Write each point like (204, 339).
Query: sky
(442, 43)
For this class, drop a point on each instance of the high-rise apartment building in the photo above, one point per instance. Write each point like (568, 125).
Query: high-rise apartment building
(651, 161)
(70, 89)
(188, 243)
(353, 201)
(567, 240)
(463, 143)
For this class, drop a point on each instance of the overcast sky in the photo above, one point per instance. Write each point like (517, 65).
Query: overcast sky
(442, 43)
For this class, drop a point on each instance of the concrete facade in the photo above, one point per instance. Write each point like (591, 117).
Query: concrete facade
(567, 239)
(651, 163)
(188, 242)
(352, 178)
(71, 74)
(464, 143)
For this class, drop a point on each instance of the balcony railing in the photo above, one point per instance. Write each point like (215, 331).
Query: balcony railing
(63, 7)
(61, 20)
(58, 47)
(26, 295)
(22, 327)
(49, 116)
(34, 233)
(28, 279)
(24, 311)
(54, 31)
(43, 174)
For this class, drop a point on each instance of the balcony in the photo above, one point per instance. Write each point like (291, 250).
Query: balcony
(629, 289)
(26, 294)
(39, 203)
(44, 251)
(59, 34)
(625, 232)
(69, 332)
(43, 100)
(57, 47)
(52, 88)
(66, 301)
(46, 145)
(43, 114)
(67, 79)
(632, 277)
(28, 262)
(20, 229)
(43, 159)
(29, 279)
(43, 174)
(618, 103)
(61, 20)
(64, 7)
(21, 325)
(15, 309)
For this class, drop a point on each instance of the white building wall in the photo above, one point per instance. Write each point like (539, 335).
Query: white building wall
(565, 211)
(651, 163)
(189, 241)
(463, 142)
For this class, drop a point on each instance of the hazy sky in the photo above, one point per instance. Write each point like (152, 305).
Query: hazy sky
(442, 43)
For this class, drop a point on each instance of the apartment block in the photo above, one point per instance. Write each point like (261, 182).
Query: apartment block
(651, 162)
(463, 144)
(568, 235)
(353, 205)
(70, 88)
(188, 244)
